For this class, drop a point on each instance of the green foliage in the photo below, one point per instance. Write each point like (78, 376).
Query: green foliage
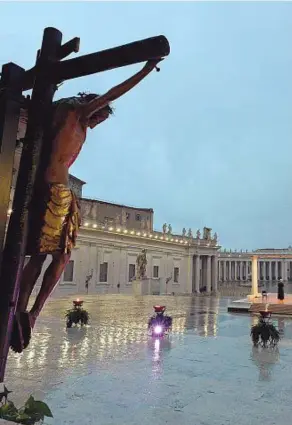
(31, 413)
(77, 315)
(264, 334)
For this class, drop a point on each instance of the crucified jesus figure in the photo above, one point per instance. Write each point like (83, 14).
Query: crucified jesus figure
(54, 212)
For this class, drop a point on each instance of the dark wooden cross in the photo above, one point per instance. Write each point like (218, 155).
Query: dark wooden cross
(43, 78)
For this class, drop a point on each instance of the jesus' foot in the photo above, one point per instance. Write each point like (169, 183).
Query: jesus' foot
(16, 341)
(21, 333)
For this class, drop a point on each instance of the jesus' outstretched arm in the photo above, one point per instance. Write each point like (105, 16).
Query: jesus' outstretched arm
(90, 108)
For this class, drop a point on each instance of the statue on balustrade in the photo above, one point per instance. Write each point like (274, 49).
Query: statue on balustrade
(124, 219)
(54, 216)
(141, 265)
(169, 229)
(198, 235)
(207, 233)
(215, 237)
(164, 228)
(118, 220)
(190, 233)
(143, 224)
(184, 232)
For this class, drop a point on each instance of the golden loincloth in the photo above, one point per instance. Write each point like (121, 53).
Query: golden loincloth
(54, 220)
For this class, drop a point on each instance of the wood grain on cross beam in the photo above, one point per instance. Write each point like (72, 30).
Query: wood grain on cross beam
(128, 54)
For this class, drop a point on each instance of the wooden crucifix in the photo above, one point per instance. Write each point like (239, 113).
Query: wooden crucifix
(45, 216)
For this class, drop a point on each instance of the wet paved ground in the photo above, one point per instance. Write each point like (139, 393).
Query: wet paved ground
(112, 373)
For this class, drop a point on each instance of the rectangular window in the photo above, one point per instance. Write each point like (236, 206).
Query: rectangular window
(132, 271)
(176, 275)
(138, 217)
(103, 272)
(155, 271)
(69, 271)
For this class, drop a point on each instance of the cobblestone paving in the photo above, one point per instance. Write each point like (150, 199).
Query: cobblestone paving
(112, 373)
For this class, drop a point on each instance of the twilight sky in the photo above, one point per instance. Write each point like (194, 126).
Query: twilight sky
(207, 141)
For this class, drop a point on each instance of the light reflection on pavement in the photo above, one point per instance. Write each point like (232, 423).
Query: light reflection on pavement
(112, 372)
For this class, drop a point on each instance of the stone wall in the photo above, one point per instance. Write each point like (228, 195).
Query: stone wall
(94, 211)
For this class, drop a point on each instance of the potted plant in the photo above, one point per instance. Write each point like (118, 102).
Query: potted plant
(264, 333)
(77, 314)
(33, 411)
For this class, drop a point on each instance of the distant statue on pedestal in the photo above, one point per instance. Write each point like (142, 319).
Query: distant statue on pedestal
(207, 233)
(184, 232)
(118, 220)
(190, 233)
(215, 237)
(124, 219)
(164, 228)
(198, 235)
(141, 265)
(169, 229)
(143, 224)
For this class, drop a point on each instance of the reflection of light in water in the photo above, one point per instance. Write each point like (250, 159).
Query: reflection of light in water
(156, 354)
(156, 360)
(116, 328)
(84, 349)
(64, 353)
(215, 326)
(178, 325)
(265, 359)
(18, 360)
(36, 354)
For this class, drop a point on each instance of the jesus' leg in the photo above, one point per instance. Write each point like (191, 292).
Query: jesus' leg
(21, 331)
(29, 277)
(50, 280)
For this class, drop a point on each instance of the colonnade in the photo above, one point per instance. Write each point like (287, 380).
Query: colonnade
(240, 270)
(205, 273)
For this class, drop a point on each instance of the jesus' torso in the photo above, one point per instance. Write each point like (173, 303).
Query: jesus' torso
(66, 145)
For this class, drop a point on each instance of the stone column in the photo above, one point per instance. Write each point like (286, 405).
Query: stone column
(270, 270)
(254, 272)
(189, 288)
(214, 280)
(235, 270)
(197, 274)
(264, 270)
(276, 270)
(224, 270)
(241, 270)
(208, 274)
(284, 270)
